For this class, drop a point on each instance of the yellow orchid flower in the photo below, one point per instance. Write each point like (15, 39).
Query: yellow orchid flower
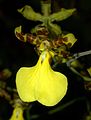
(41, 83)
(17, 114)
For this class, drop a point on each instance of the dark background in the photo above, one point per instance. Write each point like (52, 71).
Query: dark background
(14, 53)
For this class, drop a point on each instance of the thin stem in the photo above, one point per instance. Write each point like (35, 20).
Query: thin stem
(59, 108)
(28, 117)
(76, 56)
(88, 79)
(65, 105)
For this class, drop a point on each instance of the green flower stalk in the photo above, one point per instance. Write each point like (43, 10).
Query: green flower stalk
(17, 113)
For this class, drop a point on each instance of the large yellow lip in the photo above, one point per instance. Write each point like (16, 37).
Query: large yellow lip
(41, 83)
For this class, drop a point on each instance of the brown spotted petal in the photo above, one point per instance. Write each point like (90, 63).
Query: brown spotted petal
(18, 32)
(70, 39)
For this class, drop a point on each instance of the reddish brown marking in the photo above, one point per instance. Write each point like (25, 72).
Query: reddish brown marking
(30, 38)
(69, 45)
(65, 54)
(65, 39)
(20, 36)
(87, 85)
(42, 31)
(57, 42)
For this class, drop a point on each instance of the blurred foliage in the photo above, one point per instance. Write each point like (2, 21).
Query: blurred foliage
(14, 54)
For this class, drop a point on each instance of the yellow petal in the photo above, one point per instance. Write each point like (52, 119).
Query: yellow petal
(52, 85)
(41, 83)
(17, 114)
